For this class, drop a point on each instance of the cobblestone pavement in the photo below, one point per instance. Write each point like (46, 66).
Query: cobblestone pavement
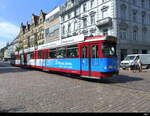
(23, 90)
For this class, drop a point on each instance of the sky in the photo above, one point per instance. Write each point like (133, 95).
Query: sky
(14, 12)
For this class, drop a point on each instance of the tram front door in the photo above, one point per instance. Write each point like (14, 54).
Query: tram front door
(90, 59)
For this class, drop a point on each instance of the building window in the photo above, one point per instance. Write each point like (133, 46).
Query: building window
(105, 31)
(134, 16)
(143, 3)
(144, 34)
(134, 34)
(84, 22)
(143, 17)
(77, 11)
(69, 28)
(144, 51)
(63, 29)
(69, 15)
(134, 2)
(123, 34)
(123, 12)
(104, 14)
(63, 19)
(135, 51)
(75, 25)
(92, 3)
(92, 19)
(46, 32)
(84, 7)
(104, 11)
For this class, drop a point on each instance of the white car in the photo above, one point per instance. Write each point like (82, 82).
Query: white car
(129, 60)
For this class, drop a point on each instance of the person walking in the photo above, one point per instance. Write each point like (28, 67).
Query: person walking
(139, 65)
(135, 65)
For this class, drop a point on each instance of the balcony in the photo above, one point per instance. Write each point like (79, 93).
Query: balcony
(84, 31)
(92, 30)
(75, 33)
(104, 22)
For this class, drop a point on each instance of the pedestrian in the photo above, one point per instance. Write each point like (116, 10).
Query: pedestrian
(135, 65)
(139, 65)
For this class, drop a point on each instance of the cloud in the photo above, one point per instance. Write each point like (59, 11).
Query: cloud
(8, 31)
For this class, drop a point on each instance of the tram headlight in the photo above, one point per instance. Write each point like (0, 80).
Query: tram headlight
(108, 67)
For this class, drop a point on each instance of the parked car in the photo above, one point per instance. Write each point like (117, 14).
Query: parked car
(129, 60)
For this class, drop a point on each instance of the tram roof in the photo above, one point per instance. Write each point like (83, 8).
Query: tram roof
(69, 41)
(101, 38)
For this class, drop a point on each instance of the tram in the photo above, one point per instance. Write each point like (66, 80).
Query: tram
(91, 57)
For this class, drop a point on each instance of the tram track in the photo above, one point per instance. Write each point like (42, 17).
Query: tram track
(124, 82)
(127, 86)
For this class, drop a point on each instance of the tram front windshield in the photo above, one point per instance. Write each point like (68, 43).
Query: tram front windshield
(109, 50)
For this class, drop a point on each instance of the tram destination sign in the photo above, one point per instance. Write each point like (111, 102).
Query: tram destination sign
(74, 39)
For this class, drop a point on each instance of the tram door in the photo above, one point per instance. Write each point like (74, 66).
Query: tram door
(44, 58)
(22, 59)
(90, 59)
(25, 59)
(28, 58)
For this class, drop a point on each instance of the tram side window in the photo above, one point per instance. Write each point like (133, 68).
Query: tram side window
(61, 53)
(28, 56)
(95, 51)
(13, 57)
(52, 53)
(84, 52)
(40, 54)
(18, 57)
(32, 55)
(72, 51)
(22, 57)
(46, 54)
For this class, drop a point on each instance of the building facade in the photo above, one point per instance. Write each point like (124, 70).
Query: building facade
(133, 26)
(32, 35)
(2, 51)
(128, 20)
(9, 49)
(52, 26)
